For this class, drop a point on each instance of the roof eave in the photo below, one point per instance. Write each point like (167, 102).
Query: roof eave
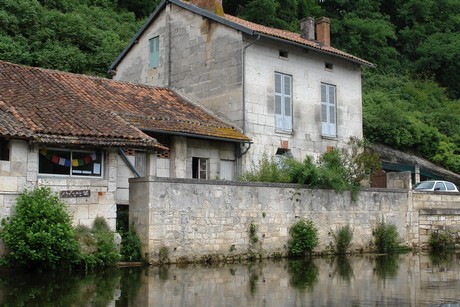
(198, 136)
(360, 62)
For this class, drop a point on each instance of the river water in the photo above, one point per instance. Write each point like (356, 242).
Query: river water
(364, 280)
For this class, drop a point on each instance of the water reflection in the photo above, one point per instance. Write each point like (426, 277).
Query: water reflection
(366, 280)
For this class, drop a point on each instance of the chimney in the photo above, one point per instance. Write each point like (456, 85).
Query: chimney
(214, 6)
(307, 28)
(323, 31)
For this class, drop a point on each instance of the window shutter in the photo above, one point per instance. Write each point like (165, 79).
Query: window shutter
(328, 110)
(287, 120)
(154, 52)
(278, 102)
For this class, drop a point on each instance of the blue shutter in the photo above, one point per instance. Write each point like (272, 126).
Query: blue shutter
(154, 52)
(287, 119)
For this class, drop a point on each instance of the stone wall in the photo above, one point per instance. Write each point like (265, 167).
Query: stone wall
(197, 220)
(21, 172)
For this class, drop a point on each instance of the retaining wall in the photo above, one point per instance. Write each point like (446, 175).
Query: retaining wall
(192, 220)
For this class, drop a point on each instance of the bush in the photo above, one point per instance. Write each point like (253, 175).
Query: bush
(386, 237)
(97, 245)
(440, 241)
(343, 238)
(304, 238)
(267, 170)
(40, 234)
(130, 246)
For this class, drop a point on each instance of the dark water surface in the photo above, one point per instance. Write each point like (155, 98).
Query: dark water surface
(367, 280)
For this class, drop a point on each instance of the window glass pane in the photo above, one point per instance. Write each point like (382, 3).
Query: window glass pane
(86, 163)
(450, 186)
(54, 162)
(439, 186)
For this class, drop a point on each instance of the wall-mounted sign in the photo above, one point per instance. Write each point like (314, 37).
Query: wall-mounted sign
(75, 193)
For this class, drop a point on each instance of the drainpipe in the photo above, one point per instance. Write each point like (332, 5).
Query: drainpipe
(123, 156)
(242, 152)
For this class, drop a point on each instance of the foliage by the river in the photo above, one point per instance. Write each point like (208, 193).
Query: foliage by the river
(386, 236)
(411, 100)
(303, 238)
(40, 236)
(441, 241)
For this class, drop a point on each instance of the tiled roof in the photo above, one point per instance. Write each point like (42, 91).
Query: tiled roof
(243, 26)
(64, 108)
(294, 37)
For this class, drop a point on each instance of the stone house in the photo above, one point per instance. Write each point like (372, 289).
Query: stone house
(291, 93)
(86, 136)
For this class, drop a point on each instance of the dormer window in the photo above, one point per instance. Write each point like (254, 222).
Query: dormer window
(283, 54)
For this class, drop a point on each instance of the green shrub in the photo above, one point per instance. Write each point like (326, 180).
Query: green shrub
(303, 238)
(343, 238)
(267, 170)
(441, 241)
(97, 244)
(40, 234)
(130, 246)
(386, 237)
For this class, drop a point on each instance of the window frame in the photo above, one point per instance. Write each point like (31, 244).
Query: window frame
(197, 171)
(328, 122)
(99, 154)
(283, 122)
(154, 52)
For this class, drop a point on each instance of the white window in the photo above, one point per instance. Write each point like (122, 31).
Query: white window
(199, 168)
(328, 110)
(154, 52)
(283, 102)
(227, 170)
(70, 162)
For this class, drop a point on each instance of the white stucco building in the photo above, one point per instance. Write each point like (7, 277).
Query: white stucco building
(290, 93)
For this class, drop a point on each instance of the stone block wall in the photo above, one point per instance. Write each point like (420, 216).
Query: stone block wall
(21, 172)
(195, 220)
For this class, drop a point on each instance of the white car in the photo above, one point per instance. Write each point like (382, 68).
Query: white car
(436, 185)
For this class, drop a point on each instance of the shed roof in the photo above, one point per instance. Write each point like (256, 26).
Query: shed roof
(51, 106)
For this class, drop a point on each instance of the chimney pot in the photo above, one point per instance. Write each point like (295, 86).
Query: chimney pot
(323, 31)
(214, 6)
(307, 28)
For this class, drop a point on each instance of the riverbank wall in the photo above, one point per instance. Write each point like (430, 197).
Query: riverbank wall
(181, 220)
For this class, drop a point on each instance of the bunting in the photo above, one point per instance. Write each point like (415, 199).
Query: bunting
(67, 162)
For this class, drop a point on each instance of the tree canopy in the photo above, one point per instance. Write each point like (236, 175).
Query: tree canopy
(411, 101)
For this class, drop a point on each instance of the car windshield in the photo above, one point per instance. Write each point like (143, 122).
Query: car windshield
(425, 185)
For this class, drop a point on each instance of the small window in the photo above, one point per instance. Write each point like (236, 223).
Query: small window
(329, 66)
(199, 168)
(70, 163)
(4, 150)
(154, 52)
(283, 54)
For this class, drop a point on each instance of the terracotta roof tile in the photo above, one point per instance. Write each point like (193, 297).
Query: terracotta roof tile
(293, 37)
(54, 106)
